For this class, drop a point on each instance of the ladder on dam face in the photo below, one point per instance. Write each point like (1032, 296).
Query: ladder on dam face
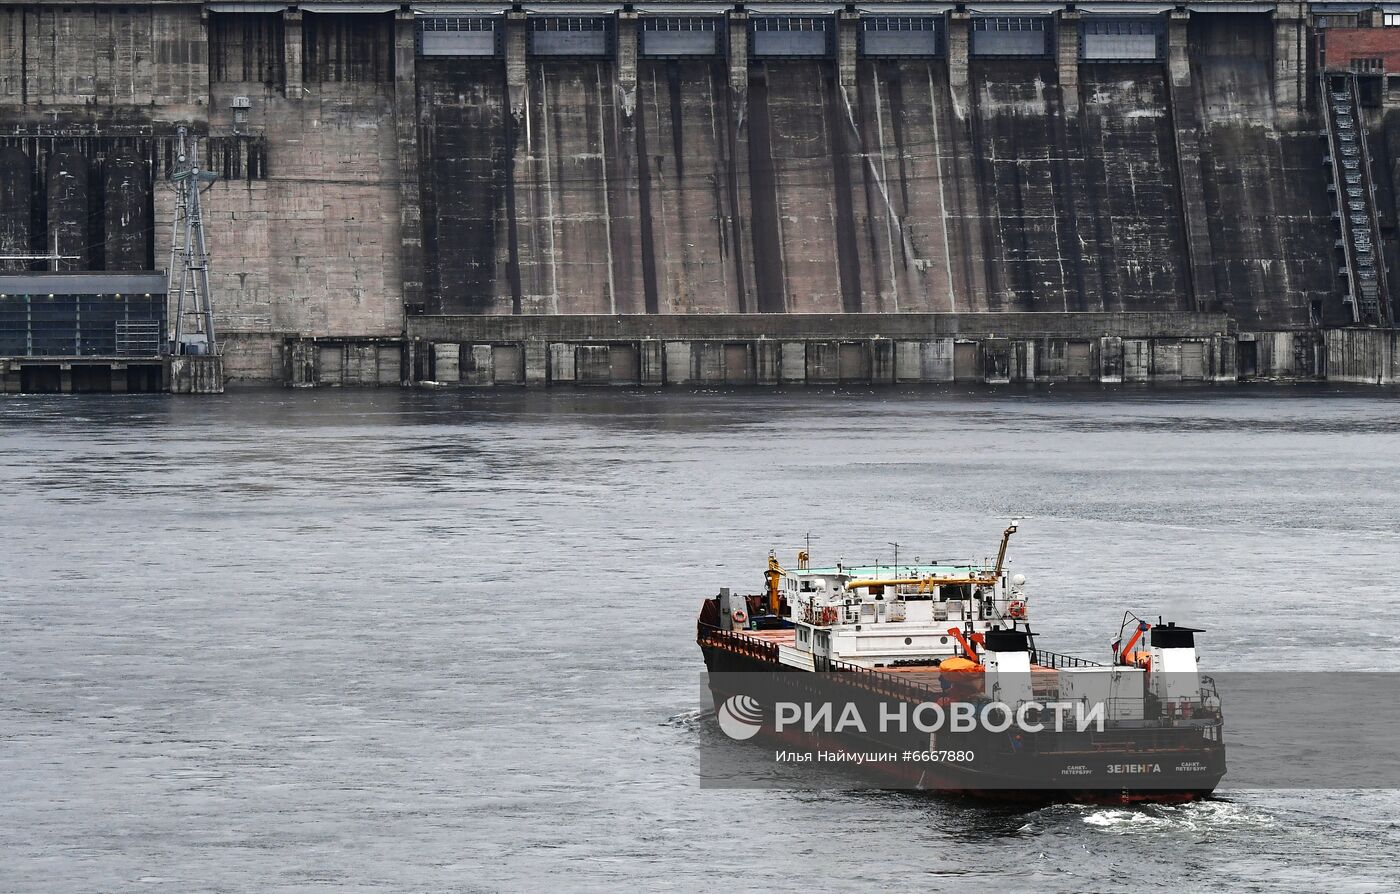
(1368, 297)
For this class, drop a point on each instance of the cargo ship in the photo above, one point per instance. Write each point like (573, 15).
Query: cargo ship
(930, 640)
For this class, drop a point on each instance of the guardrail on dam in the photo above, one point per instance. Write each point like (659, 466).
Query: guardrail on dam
(435, 191)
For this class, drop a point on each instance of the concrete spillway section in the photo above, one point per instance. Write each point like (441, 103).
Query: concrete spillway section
(1267, 208)
(881, 197)
(126, 212)
(16, 202)
(888, 195)
(381, 164)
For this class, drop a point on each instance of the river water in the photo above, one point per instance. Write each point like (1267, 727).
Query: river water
(413, 641)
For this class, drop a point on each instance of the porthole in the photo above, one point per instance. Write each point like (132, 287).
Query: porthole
(943, 640)
(908, 641)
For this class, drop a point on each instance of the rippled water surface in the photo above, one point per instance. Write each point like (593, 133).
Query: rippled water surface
(408, 641)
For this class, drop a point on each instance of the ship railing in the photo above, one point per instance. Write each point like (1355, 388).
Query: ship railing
(878, 682)
(751, 646)
(1177, 711)
(1198, 713)
(1055, 660)
(1209, 690)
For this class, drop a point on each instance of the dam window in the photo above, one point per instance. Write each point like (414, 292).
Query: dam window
(680, 36)
(1121, 40)
(570, 36)
(458, 36)
(901, 36)
(1010, 35)
(681, 23)
(792, 23)
(456, 23)
(1336, 21)
(568, 23)
(791, 36)
(1009, 23)
(37, 323)
(899, 23)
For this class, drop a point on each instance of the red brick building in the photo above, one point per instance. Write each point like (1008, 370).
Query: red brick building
(1374, 50)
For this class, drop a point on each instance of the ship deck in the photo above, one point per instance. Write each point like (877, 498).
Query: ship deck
(926, 674)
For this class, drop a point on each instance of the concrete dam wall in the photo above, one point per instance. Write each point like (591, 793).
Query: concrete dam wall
(894, 194)
(386, 169)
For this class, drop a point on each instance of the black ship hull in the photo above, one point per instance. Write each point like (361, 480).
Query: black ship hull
(1113, 765)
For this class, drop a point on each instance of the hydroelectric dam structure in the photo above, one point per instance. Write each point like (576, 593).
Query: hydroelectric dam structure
(662, 192)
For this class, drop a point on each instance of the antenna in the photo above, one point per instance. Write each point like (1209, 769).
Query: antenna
(53, 258)
(189, 252)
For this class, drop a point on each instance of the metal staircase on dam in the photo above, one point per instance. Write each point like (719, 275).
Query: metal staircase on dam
(1354, 192)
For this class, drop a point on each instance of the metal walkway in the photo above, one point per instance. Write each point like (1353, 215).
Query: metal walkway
(1368, 297)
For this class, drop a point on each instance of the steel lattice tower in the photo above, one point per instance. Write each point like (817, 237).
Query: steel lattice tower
(189, 257)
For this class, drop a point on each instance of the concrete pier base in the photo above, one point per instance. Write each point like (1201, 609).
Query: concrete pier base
(447, 358)
(789, 350)
(651, 363)
(351, 361)
(196, 375)
(768, 362)
(536, 363)
(792, 363)
(1366, 356)
(817, 349)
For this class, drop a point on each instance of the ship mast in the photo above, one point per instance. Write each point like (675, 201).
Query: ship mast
(1005, 539)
